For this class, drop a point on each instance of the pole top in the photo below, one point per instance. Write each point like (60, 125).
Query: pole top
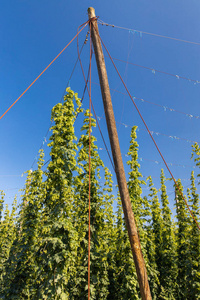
(91, 12)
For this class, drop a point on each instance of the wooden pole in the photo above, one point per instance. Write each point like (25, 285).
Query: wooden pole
(119, 168)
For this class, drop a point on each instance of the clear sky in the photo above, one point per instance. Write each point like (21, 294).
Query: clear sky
(34, 32)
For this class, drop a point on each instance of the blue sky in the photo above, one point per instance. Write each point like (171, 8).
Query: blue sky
(34, 32)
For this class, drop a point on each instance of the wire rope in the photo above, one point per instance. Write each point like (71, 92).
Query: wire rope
(148, 33)
(84, 25)
(89, 207)
(158, 71)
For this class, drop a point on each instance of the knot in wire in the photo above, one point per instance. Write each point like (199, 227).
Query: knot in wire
(93, 19)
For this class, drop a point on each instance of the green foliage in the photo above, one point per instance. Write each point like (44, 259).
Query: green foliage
(124, 280)
(7, 237)
(22, 261)
(168, 261)
(59, 239)
(183, 239)
(194, 242)
(154, 239)
(44, 246)
(135, 182)
(99, 244)
(140, 205)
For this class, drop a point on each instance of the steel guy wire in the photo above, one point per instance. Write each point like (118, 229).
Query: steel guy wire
(148, 33)
(153, 70)
(165, 108)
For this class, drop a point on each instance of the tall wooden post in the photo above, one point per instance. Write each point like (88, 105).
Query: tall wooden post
(119, 168)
